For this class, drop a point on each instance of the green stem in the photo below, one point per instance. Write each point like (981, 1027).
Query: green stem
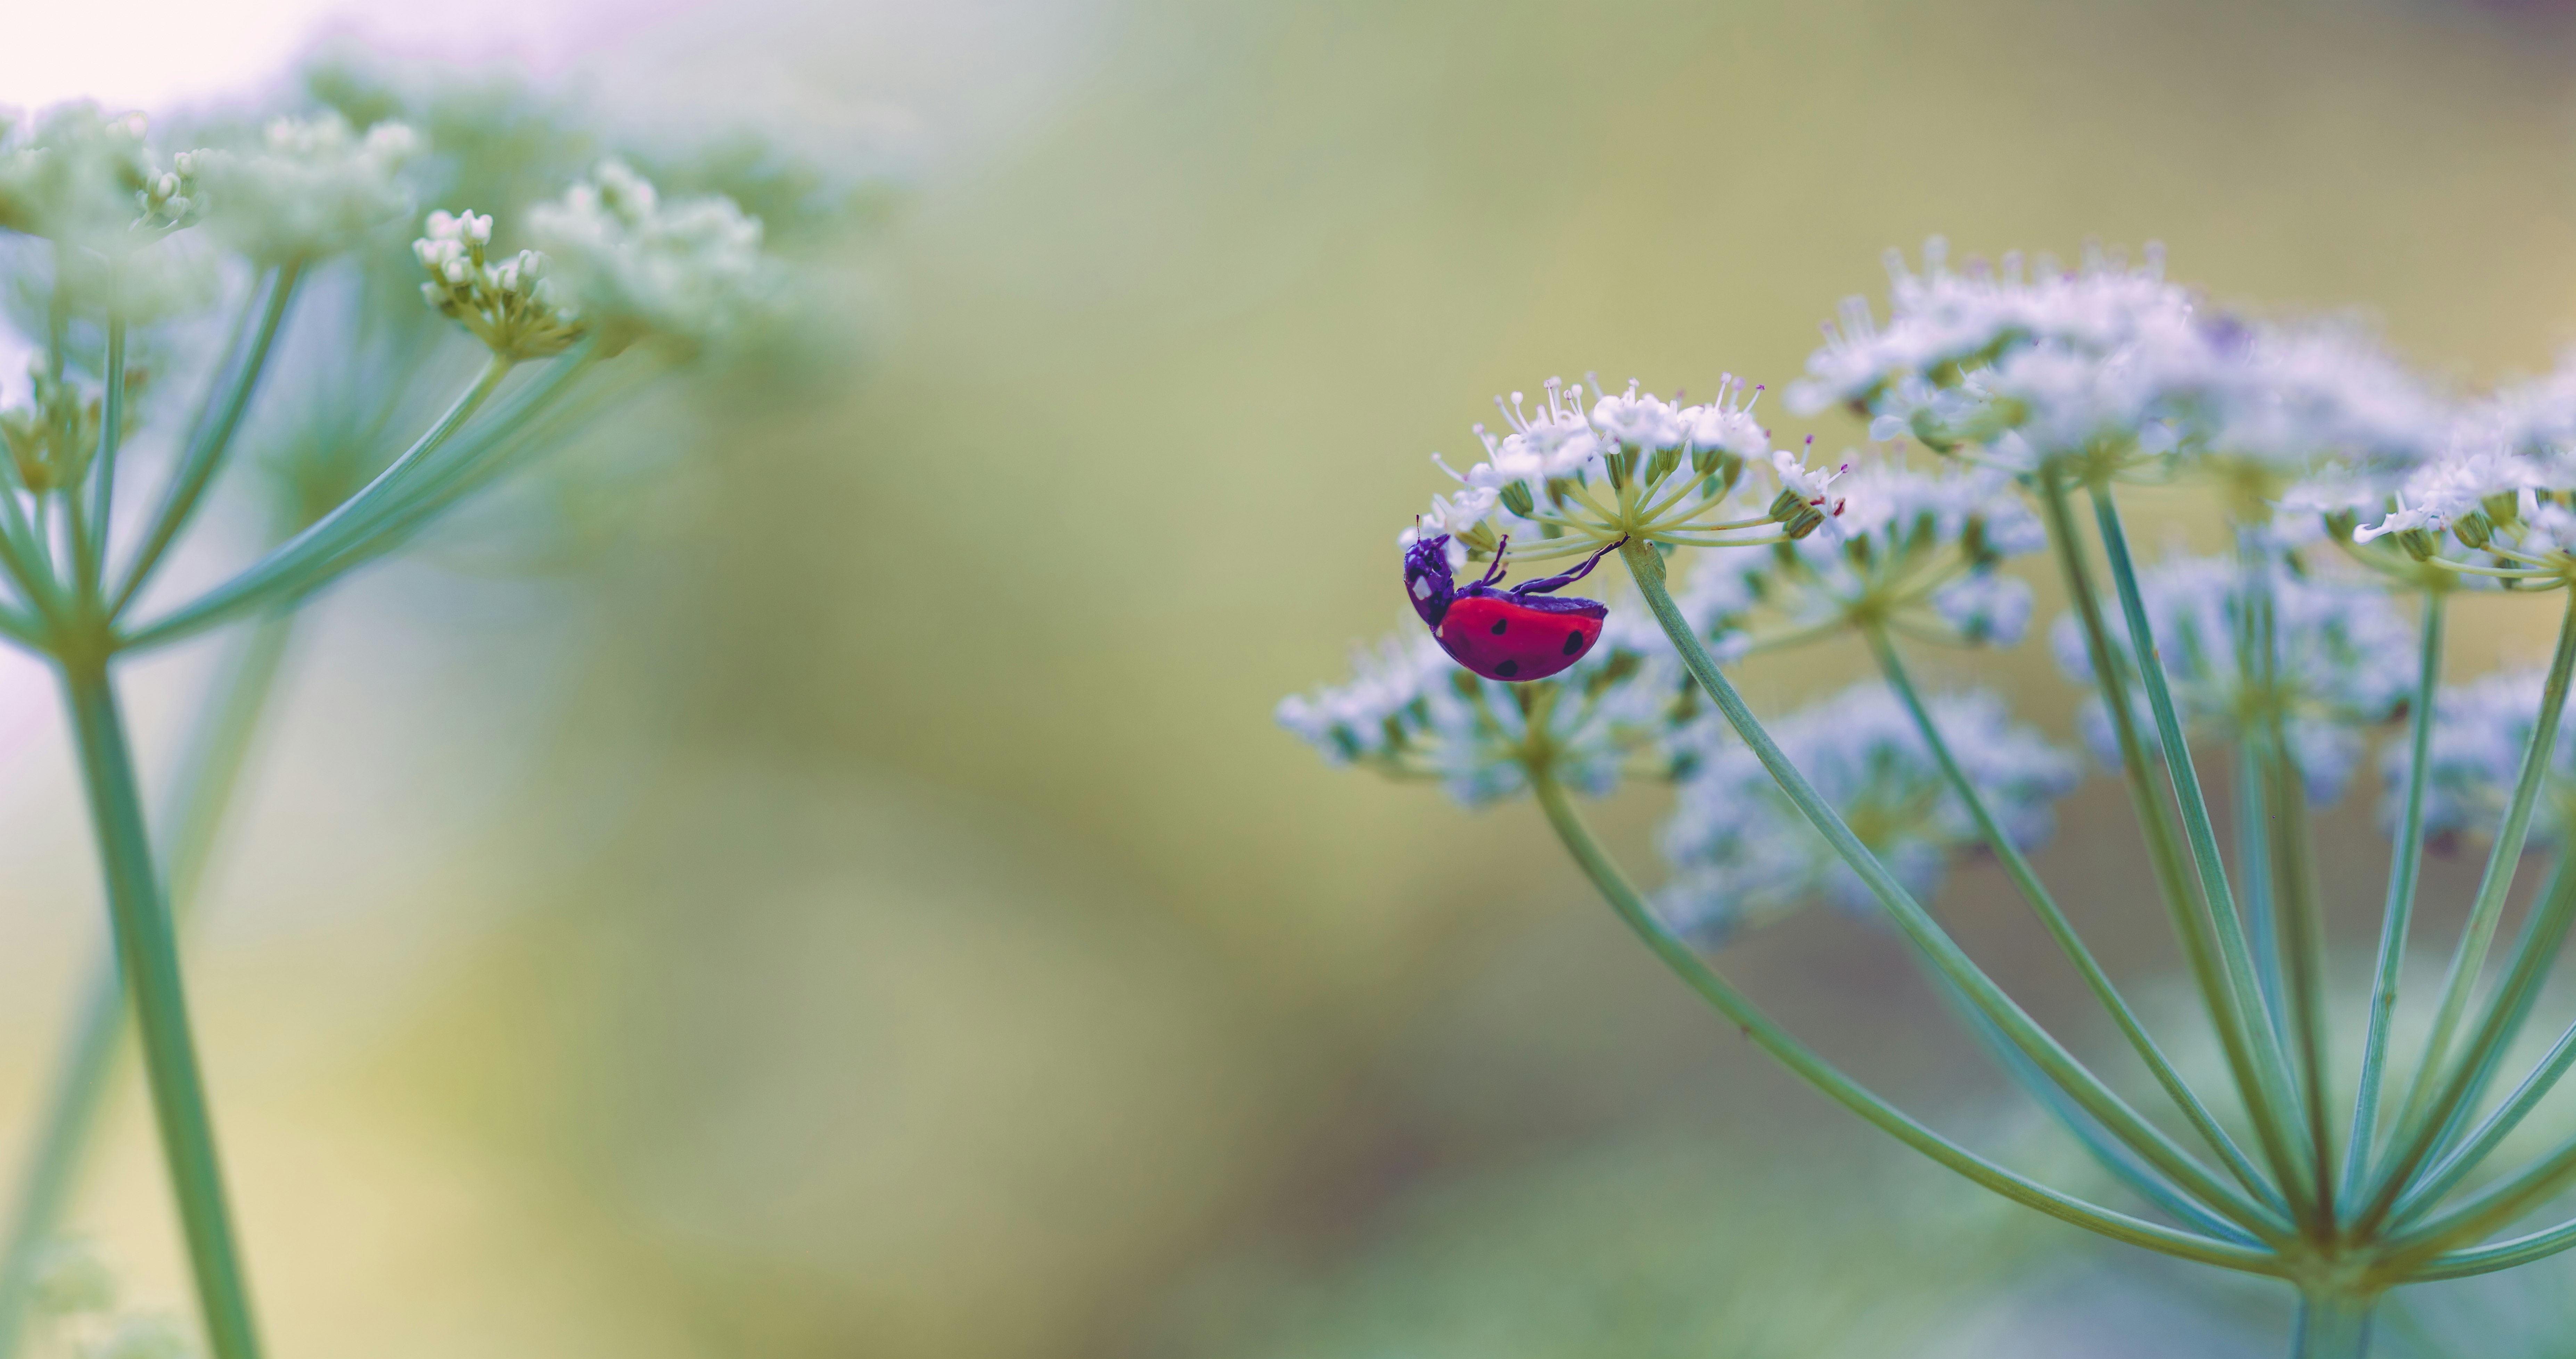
(2051, 916)
(2434, 1183)
(67, 1130)
(2333, 1324)
(2235, 956)
(2494, 885)
(1645, 564)
(2253, 850)
(148, 958)
(2521, 1250)
(2163, 839)
(2537, 948)
(212, 436)
(328, 535)
(2302, 946)
(2404, 871)
(1816, 1071)
(111, 437)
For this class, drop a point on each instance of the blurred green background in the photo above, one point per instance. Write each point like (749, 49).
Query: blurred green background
(867, 910)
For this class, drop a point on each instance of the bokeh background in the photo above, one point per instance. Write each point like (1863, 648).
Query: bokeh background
(861, 906)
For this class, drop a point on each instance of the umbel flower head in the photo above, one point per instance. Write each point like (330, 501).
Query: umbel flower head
(83, 178)
(1914, 551)
(1742, 853)
(2341, 659)
(1582, 471)
(312, 187)
(509, 304)
(689, 271)
(1411, 712)
(2117, 368)
(2479, 732)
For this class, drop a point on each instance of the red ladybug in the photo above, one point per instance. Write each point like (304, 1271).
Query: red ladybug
(1520, 634)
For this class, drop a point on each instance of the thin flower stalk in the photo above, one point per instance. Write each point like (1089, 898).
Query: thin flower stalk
(2017, 866)
(2418, 1122)
(2277, 1083)
(1757, 1026)
(1645, 566)
(2405, 871)
(2262, 1103)
(210, 773)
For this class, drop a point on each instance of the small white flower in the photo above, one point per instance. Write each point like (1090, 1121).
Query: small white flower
(509, 304)
(1726, 425)
(1638, 421)
(1812, 485)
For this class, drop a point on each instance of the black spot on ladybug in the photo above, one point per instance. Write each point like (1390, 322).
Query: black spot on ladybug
(1500, 624)
(1508, 669)
(1573, 642)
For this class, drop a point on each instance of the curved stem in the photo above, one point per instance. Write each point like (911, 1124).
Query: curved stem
(2434, 1183)
(102, 473)
(2534, 951)
(211, 437)
(2404, 871)
(2163, 841)
(331, 534)
(2521, 1250)
(1646, 566)
(1816, 1071)
(67, 1129)
(148, 957)
(2063, 931)
(2235, 957)
(2493, 886)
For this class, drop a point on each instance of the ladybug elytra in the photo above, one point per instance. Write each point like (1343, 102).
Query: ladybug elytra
(1524, 633)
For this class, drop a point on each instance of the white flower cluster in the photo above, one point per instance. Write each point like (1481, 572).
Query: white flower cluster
(1743, 854)
(510, 304)
(2109, 357)
(1679, 460)
(2479, 732)
(1410, 710)
(313, 187)
(1918, 551)
(78, 176)
(2341, 660)
(689, 271)
(2498, 490)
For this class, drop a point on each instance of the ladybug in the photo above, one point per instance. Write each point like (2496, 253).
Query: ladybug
(1524, 633)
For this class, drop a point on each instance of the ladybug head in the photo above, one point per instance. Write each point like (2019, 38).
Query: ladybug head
(1427, 581)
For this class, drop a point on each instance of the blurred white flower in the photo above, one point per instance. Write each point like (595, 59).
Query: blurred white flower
(1411, 711)
(1742, 853)
(313, 187)
(2479, 731)
(2342, 659)
(688, 271)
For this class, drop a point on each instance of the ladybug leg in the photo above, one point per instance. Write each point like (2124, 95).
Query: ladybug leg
(1552, 584)
(1495, 572)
